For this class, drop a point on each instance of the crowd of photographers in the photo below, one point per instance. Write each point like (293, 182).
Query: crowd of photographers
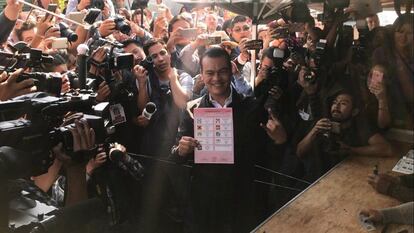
(318, 96)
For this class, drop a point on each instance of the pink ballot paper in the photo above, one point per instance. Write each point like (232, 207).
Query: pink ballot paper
(213, 128)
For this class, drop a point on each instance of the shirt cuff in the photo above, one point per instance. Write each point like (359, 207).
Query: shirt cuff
(240, 61)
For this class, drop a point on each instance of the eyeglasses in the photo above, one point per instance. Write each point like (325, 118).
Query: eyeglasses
(162, 53)
(245, 28)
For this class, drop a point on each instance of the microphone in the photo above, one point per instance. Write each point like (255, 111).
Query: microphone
(128, 164)
(149, 110)
(71, 218)
(83, 50)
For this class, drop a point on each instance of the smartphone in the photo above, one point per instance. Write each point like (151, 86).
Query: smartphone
(212, 40)
(254, 44)
(60, 43)
(93, 13)
(52, 8)
(189, 33)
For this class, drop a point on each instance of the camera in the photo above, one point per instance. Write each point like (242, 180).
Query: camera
(44, 82)
(24, 57)
(121, 25)
(98, 4)
(65, 31)
(319, 54)
(309, 75)
(139, 4)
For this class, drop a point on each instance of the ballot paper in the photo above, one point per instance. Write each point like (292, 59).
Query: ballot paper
(406, 164)
(213, 129)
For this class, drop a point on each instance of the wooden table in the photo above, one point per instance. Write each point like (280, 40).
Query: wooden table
(332, 203)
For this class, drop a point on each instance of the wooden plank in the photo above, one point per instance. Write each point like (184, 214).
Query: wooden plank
(333, 202)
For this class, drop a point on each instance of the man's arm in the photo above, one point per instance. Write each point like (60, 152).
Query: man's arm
(8, 18)
(179, 94)
(377, 146)
(141, 76)
(305, 145)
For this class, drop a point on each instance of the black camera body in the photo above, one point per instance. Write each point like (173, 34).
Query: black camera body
(121, 25)
(44, 82)
(98, 4)
(139, 4)
(65, 31)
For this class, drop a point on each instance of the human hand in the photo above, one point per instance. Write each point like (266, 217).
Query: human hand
(373, 215)
(275, 92)
(201, 40)
(382, 182)
(141, 75)
(243, 49)
(107, 27)
(43, 25)
(160, 27)
(174, 38)
(83, 136)
(96, 162)
(10, 88)
(83, 4)
(52, 32)
(142, 121)
(186, 145)
(274, 128)
(103, 92)
(106, 12)
(12, 10)
(322, 126)
(198, 85)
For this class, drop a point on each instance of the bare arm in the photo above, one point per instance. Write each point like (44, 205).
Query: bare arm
(377, 146)
(180, 96)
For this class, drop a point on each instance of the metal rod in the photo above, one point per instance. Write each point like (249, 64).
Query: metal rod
(291, 177)
(53, 13)
(158, 160)
(276, 185)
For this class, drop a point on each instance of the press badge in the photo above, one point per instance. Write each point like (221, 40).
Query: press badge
(304, 115)
(117, 114)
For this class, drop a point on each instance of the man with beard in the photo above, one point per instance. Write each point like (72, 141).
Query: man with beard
(169, 90)
(343, 133)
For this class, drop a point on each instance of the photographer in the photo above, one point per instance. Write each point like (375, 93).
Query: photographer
(168, 89)
(333, 138)
(83, 142)
(106, 6)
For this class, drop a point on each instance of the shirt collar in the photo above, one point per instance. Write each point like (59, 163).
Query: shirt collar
(227, 102)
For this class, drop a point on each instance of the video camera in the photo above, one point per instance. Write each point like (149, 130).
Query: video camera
(41, 129)
(115, 60)
(25, 57)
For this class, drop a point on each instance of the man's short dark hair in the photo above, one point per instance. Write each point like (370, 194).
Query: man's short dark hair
(176, 19)
(238, 19)
(131, 41)
(59, 58)
(151, 43)
(216, 52)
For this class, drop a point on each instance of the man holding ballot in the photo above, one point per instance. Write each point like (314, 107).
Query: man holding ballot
(222, 132)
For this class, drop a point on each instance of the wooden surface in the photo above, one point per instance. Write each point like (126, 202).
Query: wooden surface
(332, 204)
